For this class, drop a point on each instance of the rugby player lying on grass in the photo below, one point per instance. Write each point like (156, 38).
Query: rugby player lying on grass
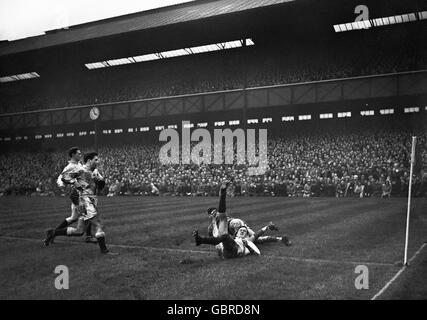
(231, 247)
(234, 224)
(241, 243)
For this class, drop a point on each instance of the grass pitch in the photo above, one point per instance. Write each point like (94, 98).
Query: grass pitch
(159, 260)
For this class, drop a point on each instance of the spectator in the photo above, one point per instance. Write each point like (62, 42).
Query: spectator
(309, 164)
(386, 189)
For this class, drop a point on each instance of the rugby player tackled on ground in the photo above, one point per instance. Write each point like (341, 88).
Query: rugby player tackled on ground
(240, 242)
(234, 224)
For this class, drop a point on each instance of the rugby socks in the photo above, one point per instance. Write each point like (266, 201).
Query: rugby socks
(260, 232)
(221, 207)
(63, 225)
(89, 231)
(102, 245)
(61, 232)
(210, 240)
(207, 240)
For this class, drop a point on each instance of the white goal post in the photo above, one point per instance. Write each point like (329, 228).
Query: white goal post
(405, 258)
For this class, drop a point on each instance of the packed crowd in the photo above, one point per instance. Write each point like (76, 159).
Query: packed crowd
(234, 69)
(339, 164)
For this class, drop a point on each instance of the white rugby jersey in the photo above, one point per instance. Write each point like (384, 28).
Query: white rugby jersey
(72, 166)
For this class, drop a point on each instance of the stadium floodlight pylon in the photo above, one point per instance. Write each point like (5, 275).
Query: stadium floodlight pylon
(405, 258)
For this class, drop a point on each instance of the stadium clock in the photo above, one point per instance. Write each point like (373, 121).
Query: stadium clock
(94, 113)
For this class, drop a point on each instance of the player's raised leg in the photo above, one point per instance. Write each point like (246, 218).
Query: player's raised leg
(222, 221)
(259, 236)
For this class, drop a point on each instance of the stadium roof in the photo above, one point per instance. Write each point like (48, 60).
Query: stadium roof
(190, 11)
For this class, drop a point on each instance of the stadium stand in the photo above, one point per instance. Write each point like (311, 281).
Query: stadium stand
(338, 162)
(254, 66)
(356, 161)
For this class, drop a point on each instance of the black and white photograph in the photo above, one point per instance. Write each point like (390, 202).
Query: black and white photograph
(214, 155)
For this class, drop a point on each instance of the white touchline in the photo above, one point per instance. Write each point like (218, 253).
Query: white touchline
(388, 284)
(287, 258)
